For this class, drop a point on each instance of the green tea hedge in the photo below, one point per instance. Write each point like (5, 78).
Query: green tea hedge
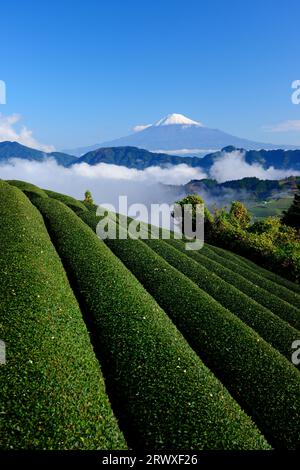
(262, 299)
(166, 398)
(275, 331)
(28, 188)
(256, 268)
(52, 393)
(260, 378)
(68, 200)
(277, 297)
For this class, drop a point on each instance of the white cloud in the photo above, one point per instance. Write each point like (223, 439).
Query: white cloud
(9, 131)
(286, 126)
(176, 174)
(108, 182)
(141, 127)
(233, 166)
(105, 181)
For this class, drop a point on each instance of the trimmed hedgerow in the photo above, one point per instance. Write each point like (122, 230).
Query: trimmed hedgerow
(68, 200)
(264, 301)
(231, 290)
(260, 378)
(280, 308)
(292, 286)
(28, 188)
(90, 218)
(277, 298)
(275, 331)
(284, 310)
(165, 396)
(52, 393)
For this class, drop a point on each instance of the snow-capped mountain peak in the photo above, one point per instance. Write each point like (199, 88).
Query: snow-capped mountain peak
(175, 118)
(178, 135)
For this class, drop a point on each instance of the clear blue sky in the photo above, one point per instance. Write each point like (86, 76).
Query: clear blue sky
(81, 72)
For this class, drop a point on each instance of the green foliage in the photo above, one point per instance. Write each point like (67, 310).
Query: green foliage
(68, 200)
(52, 392)
(292, 215)
(282, 301)
(267, 242)
(239, 214)
(166, 397)
(255, 373)
(194, 201)
(28, 188)
(270, 225)
(209, 276)
(88, 200)
(278, 233)
(251, 284)
(246, 263)
(162, 393)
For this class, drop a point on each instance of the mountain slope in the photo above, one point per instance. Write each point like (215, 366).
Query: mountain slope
(9, 150)
(133, 157)
(244, 188)
(177, 134)
(262, 197)
(279, 159)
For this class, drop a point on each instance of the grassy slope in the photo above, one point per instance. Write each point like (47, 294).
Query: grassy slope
(272, 207)
(166, 397)
(52, 390)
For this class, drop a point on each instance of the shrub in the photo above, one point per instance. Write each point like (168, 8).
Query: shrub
(278, 298)
(68, 200)
(264, 242)
(88, 200)
(52, 392)
(194, 201)
(27, 188)
(280, 308)
(275, 331)
(260, 378)
(166, 397)
(239, 214)
(254, 267)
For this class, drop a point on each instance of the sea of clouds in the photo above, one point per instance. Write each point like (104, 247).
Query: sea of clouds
(107, 182)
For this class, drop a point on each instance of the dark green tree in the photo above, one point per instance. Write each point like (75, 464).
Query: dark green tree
(193, 201)
(291, 217)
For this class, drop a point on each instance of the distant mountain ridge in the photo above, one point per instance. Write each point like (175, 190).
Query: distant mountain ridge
(132, 157)
(9, 150)
(179, 135)
(279, 159)
(252, 187)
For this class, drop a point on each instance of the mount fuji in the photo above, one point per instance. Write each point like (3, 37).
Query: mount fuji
(177, 134)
